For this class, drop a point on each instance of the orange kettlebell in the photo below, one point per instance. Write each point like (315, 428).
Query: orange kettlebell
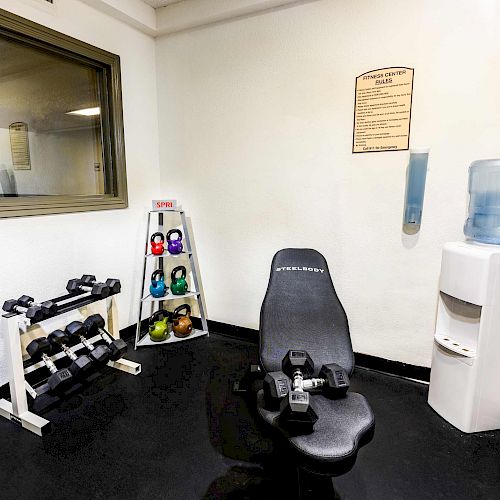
(181, 323)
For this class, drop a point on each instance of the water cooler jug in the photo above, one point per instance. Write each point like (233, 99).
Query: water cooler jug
(465, 374)
(483, 222)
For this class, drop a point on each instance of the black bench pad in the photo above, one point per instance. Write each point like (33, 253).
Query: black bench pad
(301, 310)
(344, 425)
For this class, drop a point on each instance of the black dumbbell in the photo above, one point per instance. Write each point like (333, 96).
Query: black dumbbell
(296, 413)
(100, 290)
(99, 354)
(276, 386)
(34, 313)
(95, 325)
(113, 284)
(59, 380)
(49, 308)
(333, 381)
(81, 366)
(249, 383)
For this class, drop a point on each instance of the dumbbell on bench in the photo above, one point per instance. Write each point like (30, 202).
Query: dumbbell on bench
(76, 285)
(276, 386)
(59, 380)
(100, 354)
(81, 366)
(333, 382)
(296, 413)
(94, 324)
(34, 313)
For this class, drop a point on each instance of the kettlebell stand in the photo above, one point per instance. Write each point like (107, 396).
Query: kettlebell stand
(15, 326)
(142, 338)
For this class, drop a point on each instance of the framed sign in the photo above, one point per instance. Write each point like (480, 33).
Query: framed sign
(382, 110)
(19, 146)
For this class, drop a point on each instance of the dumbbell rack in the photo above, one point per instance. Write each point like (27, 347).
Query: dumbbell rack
(142, 338)
(14, 326)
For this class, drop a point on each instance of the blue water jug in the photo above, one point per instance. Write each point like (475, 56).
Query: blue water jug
(483, 222)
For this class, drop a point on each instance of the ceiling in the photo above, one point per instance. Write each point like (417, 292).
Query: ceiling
(160, 3)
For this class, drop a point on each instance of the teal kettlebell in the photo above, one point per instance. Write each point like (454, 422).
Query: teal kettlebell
(158, 326)
(178, 286)
(157, 287)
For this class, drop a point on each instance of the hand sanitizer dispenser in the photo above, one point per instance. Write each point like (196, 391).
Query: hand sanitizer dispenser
(465, 374)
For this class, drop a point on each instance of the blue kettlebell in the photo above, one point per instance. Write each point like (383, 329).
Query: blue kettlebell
(157, 287)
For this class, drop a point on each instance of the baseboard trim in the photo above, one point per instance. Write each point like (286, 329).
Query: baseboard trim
(128, 333)
(397, 368)
(362, 360)
(234, 331)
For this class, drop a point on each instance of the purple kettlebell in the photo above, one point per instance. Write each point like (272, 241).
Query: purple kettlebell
(174, 246)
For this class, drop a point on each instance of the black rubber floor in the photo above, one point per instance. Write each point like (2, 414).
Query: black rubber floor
(177, 432)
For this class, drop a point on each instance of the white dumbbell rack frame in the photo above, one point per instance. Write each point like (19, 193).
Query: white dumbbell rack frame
(142, 338)
(15, 326)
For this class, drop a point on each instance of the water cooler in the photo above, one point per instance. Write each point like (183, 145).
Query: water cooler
(465, 374)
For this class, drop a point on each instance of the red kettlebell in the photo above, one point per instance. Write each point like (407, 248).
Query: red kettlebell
(157, 247)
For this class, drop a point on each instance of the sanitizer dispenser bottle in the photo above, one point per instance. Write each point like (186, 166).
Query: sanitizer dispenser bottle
(465, 373)
(415, 188)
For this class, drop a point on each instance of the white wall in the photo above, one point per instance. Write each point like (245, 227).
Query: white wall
(39, 254)
(256, 123)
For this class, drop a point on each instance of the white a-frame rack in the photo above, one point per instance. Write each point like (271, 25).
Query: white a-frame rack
(152, 262)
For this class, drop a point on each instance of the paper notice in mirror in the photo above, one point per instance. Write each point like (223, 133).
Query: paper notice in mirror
(382, 110)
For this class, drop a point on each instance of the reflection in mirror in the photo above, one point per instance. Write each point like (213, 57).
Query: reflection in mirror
(51, 131)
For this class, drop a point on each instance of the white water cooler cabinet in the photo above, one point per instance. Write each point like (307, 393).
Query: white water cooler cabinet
(465, 375)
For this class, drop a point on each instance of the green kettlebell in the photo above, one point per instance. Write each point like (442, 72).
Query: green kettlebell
(179, 286)
(158, 326)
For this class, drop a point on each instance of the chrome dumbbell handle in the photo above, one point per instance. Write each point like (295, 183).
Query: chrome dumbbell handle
(298, 380)
(312, 384)
(49, 363)
(86, 343)
(71, 355)
(105, 335)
